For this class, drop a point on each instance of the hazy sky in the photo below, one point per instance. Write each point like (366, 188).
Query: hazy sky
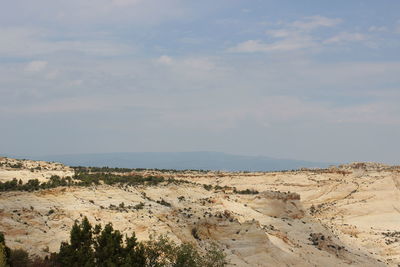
(312, 80)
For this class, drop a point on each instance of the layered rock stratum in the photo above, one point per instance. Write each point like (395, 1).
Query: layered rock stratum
(347, 215)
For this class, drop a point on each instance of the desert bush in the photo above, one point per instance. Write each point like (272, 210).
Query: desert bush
(164, 203)
(17, 165)
(247, 192)
(139, 206)
(207, 187)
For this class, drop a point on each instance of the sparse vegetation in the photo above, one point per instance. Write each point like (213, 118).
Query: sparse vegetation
(34, 184)
(207, 187)
(247, 192)
(125, 208)
(86, 179)
(391, 237)
(17, 165)
(164, 203)
(139, 206)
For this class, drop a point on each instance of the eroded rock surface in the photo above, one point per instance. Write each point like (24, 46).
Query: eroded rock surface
(338, 216)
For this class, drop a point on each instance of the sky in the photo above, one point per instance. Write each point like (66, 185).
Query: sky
(311, 80)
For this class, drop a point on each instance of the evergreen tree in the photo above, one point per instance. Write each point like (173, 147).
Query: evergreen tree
(79, 253)
(187, 256)
(3, 256)
(4, 252)
(134, 253)
(108, 247)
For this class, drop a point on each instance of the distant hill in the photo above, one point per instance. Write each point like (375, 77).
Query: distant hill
(182, 160)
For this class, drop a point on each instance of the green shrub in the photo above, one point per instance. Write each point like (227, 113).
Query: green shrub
(164, 203)
(247, 192)
(207, 187)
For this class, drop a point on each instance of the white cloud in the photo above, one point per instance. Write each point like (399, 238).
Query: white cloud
(193, 67)
(36, 66)
(300, 35)
(291, 40)
(345, 37)
(293, 36)
(167, 60)
(29, 42)
(281, 33)
(377, 29)
(251, 46)
(243, 82)
(313, 22)
(286, 40)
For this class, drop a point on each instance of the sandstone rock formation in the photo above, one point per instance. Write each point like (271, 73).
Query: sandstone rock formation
(347, 215)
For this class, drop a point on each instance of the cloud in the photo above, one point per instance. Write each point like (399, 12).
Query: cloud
(288, 41)
(281, 33)
(345, 37)
(314, 22)
(165, 60)
(31, 42)
(291, 37)
(238, 97)
(104, 13)
(192, 68)
(124, 3)
(36, 66)
(292, 44)
(277, 109)
(267, 92)
(377, 29)
(301, 35)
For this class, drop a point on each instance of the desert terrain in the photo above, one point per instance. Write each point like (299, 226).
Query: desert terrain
(346, 215)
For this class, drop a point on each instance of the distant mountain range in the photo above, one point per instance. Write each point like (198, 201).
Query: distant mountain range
(182, 160)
